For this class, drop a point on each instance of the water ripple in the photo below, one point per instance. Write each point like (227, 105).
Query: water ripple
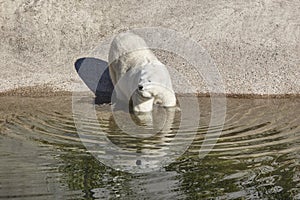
(256, 156)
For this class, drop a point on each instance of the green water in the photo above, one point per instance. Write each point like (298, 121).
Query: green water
(256, 157)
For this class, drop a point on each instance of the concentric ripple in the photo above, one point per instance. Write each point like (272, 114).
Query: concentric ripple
(256, 157)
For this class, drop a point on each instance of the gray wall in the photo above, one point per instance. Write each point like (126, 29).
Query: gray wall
(255, 44)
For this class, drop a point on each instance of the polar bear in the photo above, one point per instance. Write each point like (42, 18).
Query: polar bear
(138, 75)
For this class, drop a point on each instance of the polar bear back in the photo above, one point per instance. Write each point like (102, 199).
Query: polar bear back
(131, 45)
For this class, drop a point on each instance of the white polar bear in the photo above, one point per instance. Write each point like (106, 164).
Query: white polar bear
(138, 75)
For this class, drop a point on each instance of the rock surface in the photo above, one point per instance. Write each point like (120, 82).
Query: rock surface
(254, 44)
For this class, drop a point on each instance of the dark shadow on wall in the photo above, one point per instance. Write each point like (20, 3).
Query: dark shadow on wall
(95, 74)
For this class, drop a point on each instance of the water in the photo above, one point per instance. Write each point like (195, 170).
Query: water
(256, 157)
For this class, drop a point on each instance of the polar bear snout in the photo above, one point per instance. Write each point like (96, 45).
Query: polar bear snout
(144, 93)
(140, 87)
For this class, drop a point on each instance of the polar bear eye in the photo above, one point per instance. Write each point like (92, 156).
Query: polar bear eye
(149, 81)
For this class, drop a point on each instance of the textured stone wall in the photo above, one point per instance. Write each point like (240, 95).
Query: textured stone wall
(254, 44)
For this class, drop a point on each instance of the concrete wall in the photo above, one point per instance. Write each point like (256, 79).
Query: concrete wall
(255, 44)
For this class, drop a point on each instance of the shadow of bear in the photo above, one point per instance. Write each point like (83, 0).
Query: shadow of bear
(95, 74)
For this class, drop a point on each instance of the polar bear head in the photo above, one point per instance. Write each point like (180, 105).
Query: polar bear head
(154, 87)
(152, 75)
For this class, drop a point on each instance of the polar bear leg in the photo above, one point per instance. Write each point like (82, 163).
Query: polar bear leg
(112, 74)
(169, 100)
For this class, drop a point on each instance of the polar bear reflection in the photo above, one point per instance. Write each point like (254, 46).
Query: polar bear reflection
(138, 76)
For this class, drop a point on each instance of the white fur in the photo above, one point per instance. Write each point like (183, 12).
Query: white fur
(132, 64)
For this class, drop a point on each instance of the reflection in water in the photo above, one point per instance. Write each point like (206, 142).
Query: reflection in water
(137, 148)
(256, 157)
